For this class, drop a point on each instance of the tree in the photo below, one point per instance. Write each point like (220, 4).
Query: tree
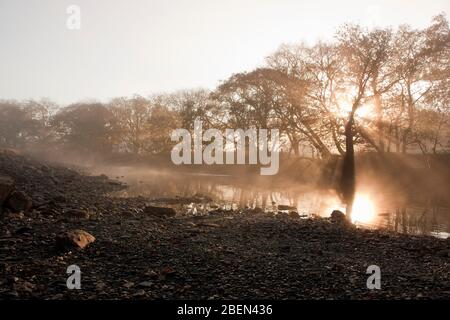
(19, 124)
(132, 115)
(193, 104)
(86, 128)
(361, 54)
(160, 124)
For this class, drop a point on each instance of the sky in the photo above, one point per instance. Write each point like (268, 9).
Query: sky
(154, 46)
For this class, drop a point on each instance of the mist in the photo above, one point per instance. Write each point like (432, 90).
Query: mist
(319, 172)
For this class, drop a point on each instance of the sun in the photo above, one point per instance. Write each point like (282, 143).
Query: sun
(365, 111)
(363, 210)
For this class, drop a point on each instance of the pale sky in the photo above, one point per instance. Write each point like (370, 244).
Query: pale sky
(151, 46)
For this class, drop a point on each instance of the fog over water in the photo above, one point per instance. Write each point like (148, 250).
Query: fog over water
(379, 203)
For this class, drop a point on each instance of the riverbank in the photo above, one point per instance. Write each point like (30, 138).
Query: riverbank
(142, 253)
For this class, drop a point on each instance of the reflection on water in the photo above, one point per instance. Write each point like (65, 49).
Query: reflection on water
(373, 209)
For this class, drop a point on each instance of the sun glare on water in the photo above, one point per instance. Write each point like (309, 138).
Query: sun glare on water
(363, 209)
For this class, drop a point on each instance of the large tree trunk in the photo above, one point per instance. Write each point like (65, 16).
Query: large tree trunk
(294, 146)
(379, 113)
(348, 180)
(411, 115)
(380, 124)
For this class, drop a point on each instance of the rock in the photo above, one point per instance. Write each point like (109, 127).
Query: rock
(74, 239)
(151, 274)
(128, 284)
(197, 198)
(100, 285)
(160, 211)
(139, 293)
(77, 214)
(338, 217)
(168, 271)
(10, 152)
(444, 253)
(256, 210)
(23, 230)
(216, 212)
(58, 296)
(115, 183)
(59, 198)
(282, 215)
(13, 294)
(208, 224)
(45, 168)
(25, 287)
(19, 201)
(6, 187)
(54, 180)
(12, 279)
(294, 214)
(288, 208)
(146, 284)
(15, 215)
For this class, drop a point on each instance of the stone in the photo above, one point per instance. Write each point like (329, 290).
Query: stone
(19, 201)
(77, 214)
(74, 239)
(209, 224)
(338, 217)
(115, 183)
(256, 210)
(6, 187)
(146, 284)
(10, 152)
(294, 214)
(59, 198)
(286, 208)
(160, 211)
(15, 215)
(128, 284)
(282, 214)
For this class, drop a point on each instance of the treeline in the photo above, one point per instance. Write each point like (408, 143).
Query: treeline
(382, 90)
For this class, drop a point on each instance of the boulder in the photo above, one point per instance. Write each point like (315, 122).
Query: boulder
(74, 239)
(338, 217)
(15, 215)
(168, 271)
(294, 214)
(59, 198)
(77, 214)
(6, 187)
(282, 214)
(256, 210)
(10, 152)
(160, 211)
(19, 201)
(282, 207)
(197, 198)
(115, 183)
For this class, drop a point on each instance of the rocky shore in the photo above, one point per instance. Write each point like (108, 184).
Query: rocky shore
(133, 248)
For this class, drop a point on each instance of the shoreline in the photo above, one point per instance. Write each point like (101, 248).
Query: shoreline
(139, 254)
